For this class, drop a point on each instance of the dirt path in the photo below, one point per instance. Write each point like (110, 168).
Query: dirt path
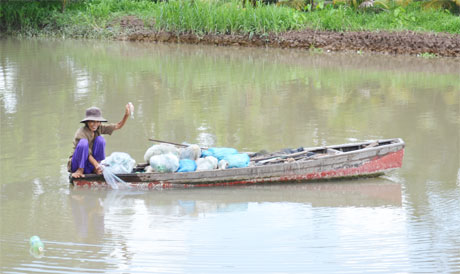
(406, 42)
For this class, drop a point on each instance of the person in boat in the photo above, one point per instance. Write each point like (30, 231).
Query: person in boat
(89, 145)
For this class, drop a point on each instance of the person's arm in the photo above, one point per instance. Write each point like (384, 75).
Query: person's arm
(120, 124)
(97, 166)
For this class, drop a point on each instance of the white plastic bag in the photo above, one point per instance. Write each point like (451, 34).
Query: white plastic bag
(222, 164)
(192, 152)
(131, 109)
(207, 163)
(111, 179)
(119, 162)
(164, 162)
(160, 149)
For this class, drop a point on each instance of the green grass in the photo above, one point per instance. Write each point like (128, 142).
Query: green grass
(218, 17)
(427, 55)
(413, 17)
(92, 18)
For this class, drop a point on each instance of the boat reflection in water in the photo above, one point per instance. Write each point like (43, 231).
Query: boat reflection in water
(370, 192)
(359, 193)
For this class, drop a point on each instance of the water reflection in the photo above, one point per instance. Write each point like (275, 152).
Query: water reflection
(458, 177)
(7, 93)
(90, 207)
(88, 214)
(97, 242)
(368, 193)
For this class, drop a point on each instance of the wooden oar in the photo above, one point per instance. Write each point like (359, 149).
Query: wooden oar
(166, 142)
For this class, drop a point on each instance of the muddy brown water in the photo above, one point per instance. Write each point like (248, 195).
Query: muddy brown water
(251, 99)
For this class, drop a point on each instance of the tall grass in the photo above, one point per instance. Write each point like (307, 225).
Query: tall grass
(26, 15)
(95, 18)
(224, 17)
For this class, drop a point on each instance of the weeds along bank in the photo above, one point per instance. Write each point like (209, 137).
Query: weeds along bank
(288, 23)
(101, 17)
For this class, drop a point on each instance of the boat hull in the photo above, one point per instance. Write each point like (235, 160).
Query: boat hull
(364, 162)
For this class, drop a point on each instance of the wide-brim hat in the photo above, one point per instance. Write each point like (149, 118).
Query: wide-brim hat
(93, 114)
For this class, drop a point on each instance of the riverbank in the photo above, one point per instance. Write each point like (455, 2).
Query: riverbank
(411, 29)
(407, 42)
(426, 44)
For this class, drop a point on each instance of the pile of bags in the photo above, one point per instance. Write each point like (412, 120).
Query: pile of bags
(168, 158)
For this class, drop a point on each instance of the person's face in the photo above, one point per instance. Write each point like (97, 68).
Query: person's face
(93, 125)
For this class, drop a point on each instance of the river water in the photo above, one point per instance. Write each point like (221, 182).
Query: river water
(407, 221)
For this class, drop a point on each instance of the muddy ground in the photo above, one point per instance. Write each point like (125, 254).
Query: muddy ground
(406, 42)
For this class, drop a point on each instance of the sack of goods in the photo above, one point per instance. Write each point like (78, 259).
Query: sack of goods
(186, 165)
(164, 163)
(192, 152)
(119, 162)
(219, 152)
(231, 157)
(237, 160)
(159, 150)
(206, 163)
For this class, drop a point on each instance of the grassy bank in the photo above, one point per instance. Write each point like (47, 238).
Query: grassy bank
(101, 18)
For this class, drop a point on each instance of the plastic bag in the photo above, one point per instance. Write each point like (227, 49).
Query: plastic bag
(207, 163)
(222, 164)
(164, 162)
(192, 152)
(119, 162)
(131, 109)
(186, 165)
(221, 152)
(205, 153)
(160, 149)
(237, 160)
(111, 179)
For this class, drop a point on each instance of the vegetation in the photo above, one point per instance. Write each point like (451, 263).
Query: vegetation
(96, 18)
(427, 55)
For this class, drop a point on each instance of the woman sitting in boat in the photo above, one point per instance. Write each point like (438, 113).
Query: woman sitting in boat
(89, 145)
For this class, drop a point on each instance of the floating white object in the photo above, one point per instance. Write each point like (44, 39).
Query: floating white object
(131, 109)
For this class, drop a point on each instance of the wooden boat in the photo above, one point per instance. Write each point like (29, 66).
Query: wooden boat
(368, 159)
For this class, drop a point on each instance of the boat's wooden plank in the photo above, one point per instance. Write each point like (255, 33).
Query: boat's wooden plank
(363, 155)
(385, 150)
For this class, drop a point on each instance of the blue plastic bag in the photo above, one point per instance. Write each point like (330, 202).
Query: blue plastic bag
(186, 165)
(237, 160)
(205, 153)
(221, 152)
